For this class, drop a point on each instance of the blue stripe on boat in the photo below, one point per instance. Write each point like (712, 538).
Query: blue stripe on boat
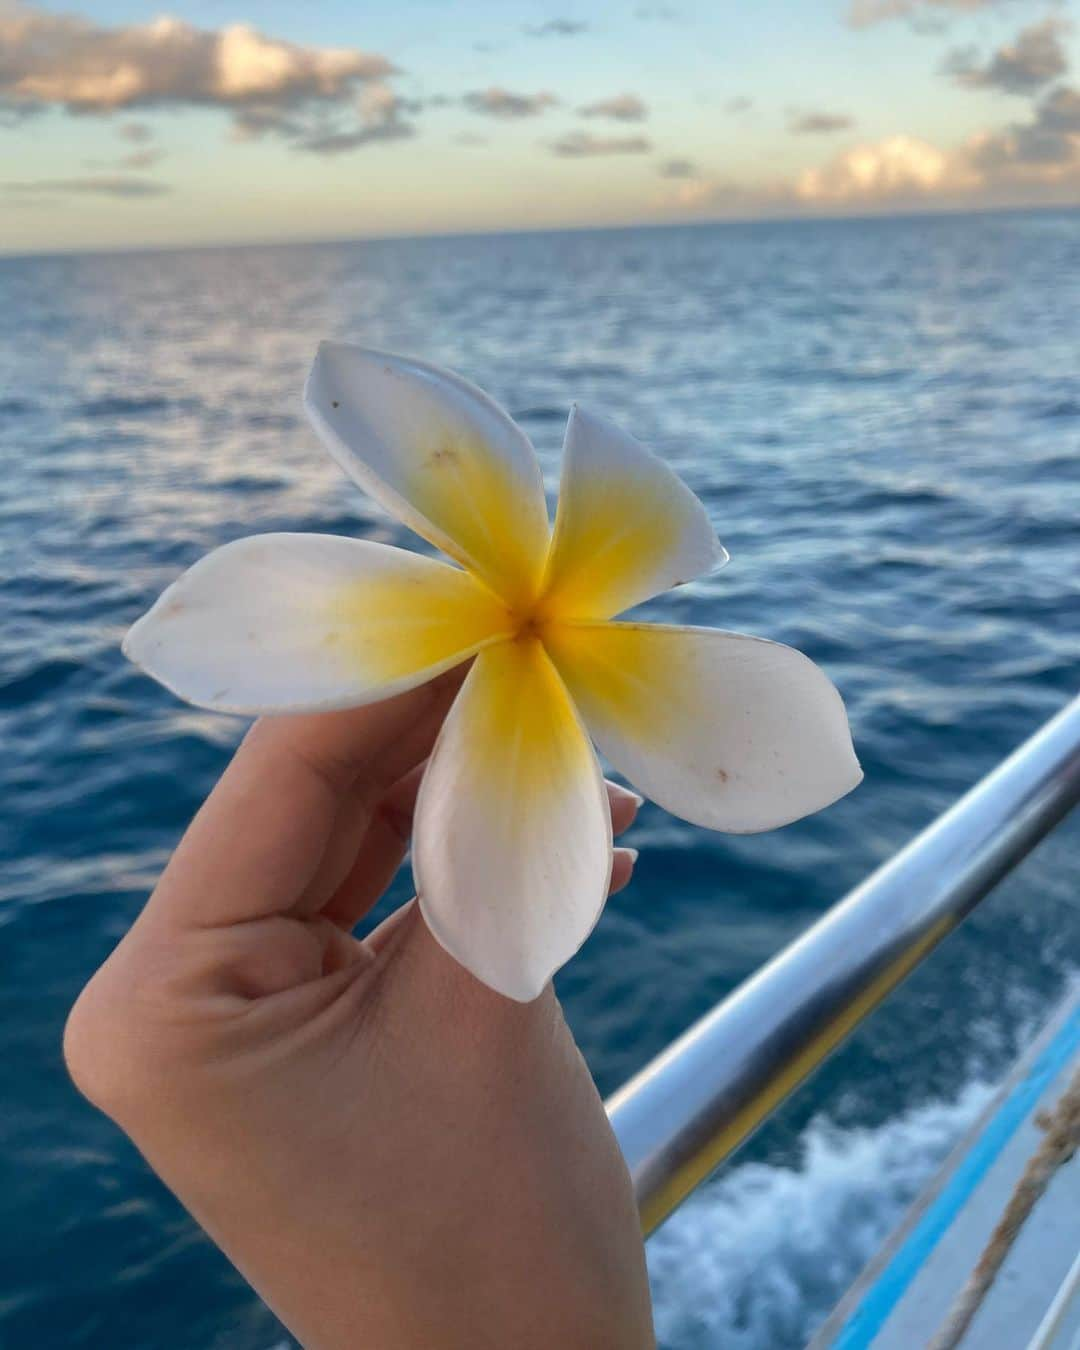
(882, 1297)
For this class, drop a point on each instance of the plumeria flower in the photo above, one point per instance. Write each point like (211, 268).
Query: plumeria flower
(512, 849)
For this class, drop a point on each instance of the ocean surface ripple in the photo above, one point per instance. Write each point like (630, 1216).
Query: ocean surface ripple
(883, 419)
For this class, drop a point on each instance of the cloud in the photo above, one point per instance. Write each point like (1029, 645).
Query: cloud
(332, 142)
(498, 102)
(556, 28)
(146, 154)
(1060, 110)
(728, 197)
(102, 186)
(898, 171)
(863, 13)
(678, 168)
(1048, 144)
(143, 155)
(620, 108)
(136, 132)
(897, 167)
(661, 13)
(1038, 160)
(819, 123)
(1036, 58)
(579, 144)
(267, 84)
(141, 159)
(249, 124)
(378, 113)
(740, 104)
(1029, 162)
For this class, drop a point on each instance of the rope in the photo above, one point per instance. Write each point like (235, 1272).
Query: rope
(1061, 1128)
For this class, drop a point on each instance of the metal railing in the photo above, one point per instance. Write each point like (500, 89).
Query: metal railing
(684, 1113)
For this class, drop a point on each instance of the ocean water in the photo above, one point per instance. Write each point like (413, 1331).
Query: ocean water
(883, 419)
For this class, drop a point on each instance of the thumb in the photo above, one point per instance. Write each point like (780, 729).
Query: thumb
(259, 838)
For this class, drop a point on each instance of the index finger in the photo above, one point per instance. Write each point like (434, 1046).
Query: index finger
(258, 838)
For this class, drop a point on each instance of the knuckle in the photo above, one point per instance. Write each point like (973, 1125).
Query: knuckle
(90, 1045)
(107, 1043)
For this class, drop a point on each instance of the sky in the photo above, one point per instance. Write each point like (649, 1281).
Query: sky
(123, 124)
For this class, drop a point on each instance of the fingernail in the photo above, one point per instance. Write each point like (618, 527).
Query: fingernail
(627, 794)
(630, 853)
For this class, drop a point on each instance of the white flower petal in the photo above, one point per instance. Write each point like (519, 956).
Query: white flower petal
(440, 455)
(727, 731)
(512, 847)
(627, 527)
(291, 622)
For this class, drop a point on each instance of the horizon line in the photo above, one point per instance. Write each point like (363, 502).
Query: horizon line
(309, 241)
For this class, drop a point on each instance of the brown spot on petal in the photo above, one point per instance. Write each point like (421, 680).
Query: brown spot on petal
(722, 774)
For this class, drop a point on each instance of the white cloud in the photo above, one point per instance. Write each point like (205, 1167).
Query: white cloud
(1034, 161)
(1036, 58)
(136, 132)
(662, 13)
(678, 168)
(620, 108)
(252, 67)
(324, 100)
(141, 159)
(379, 114)
(1047, 147)
(499, 102)
(100, 186)
(557, 28)
(899, 166)
(819, 123)
(61, 59)
(336, 142)
(579, 144)
(694, 194)
(378, 103)
(142, 152)
(865, 12)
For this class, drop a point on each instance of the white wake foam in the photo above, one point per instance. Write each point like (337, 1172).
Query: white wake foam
(756, 1260)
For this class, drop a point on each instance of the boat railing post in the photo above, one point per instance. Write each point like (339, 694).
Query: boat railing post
(684, 1113)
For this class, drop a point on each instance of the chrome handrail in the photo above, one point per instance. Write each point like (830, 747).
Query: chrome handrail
(684, 1113)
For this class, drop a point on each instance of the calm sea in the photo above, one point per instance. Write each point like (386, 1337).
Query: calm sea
(884, 421)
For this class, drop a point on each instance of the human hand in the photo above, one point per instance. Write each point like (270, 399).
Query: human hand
(394, 1155)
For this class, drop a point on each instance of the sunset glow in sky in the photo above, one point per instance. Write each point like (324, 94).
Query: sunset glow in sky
(122, 125)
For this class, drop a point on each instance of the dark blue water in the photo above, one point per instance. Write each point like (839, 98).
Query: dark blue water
(884, 421)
